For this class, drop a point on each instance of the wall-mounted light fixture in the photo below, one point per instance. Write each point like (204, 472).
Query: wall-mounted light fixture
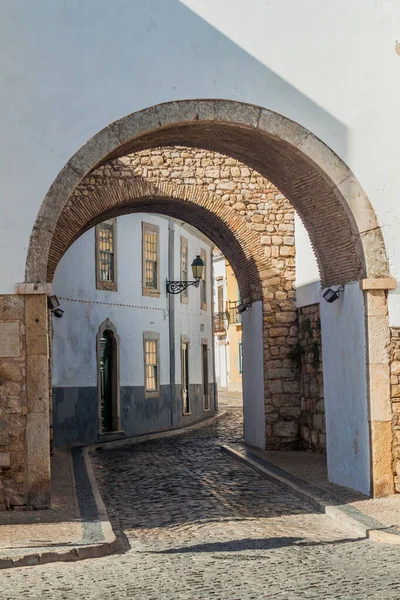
(242, 307)
(53, 304)
(331, 295)
(177, 287)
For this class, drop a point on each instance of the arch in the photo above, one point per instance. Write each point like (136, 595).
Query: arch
(342, 225)
(205, 211)
(108, 326)
(340, 220)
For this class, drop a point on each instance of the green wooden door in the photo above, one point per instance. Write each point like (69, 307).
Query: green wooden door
(185, 378)
(106, 351)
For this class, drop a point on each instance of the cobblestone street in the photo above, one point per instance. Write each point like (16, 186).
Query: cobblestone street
(193, 523)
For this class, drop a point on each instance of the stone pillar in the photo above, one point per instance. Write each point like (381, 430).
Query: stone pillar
(282, 378)
(378, 346)
(13, 404)
(37, 480)
(24, 409)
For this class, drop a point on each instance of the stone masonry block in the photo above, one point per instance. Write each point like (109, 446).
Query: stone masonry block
(36, 325)
(10, 340)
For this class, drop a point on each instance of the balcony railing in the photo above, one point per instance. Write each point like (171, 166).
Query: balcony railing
(221, 320)
(234, 314)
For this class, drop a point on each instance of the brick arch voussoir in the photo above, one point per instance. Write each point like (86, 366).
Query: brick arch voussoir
(208, 212)
(342, 224)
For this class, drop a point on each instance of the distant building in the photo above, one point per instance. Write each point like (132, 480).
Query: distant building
(227, 326)
(128, 358)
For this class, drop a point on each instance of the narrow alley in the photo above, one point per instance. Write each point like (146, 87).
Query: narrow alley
(194, 523)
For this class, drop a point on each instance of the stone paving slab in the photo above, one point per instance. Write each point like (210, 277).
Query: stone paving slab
(374, 518)
(59, 525)
(77, 525)
(312, 468)
(199, 525)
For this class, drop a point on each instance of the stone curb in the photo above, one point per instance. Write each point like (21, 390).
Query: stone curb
(360, 523)
(158, 435)
(109, 543)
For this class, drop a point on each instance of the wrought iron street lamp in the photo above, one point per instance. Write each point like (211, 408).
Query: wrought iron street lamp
(177, 287)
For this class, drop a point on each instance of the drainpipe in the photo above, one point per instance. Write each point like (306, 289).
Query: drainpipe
(213, 287)
(171, 317)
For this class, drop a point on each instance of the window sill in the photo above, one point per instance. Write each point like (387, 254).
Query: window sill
(107, 286)
(150, 292)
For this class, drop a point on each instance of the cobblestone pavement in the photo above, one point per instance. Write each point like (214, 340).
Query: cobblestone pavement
(195, 524)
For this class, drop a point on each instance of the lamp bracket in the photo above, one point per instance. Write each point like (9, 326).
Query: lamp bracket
(177, 287)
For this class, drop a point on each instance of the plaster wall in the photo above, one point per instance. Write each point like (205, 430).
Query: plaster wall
(219, 276)
(308, 288)
(234, 334)
(345, 389)
(65, 69)
(191, 320)
(253, 376)
(220, 342)
(74, 338)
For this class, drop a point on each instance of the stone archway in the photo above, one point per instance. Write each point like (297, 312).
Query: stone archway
(343, 229)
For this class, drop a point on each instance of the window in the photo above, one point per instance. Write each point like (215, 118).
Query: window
(151, 364)
(151, 259)
(184, 268)
(106, 263)
(240, 358)
(203, 282)
(220, 298)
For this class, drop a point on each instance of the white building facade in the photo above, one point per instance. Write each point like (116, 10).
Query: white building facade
(128, 357)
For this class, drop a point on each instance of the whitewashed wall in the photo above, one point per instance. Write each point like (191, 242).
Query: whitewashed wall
(74, 341)
(344, 370)
(191, 320)
(253, 376)
(345, 389)
(70, 68)
(74, 338)
(221, 346)
(308, 286)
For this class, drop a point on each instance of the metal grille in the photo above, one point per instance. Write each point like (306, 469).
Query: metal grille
(106, 251)
(150, 257)
(151, 365)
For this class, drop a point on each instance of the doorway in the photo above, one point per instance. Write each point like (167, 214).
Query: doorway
(204, 361)
(108, 379)
(106, 391)
(185, 378)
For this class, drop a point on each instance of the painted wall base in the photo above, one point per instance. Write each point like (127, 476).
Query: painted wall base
(75, 411)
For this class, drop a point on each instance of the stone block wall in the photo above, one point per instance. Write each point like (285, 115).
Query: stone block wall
(395, 398)
(268, 214)
(13, 400)
(312, 411)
